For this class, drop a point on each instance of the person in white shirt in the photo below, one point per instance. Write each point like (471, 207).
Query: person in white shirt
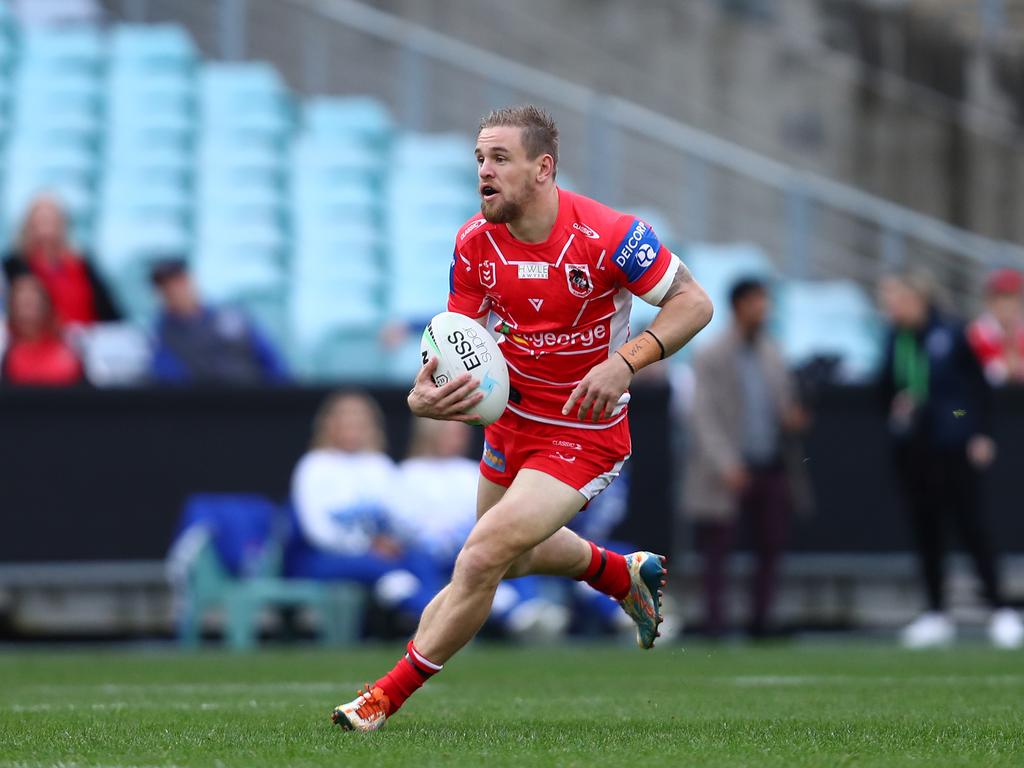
(345, 491)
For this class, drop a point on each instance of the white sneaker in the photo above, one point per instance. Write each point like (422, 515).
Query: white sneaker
(1005, 629)
(929, 630)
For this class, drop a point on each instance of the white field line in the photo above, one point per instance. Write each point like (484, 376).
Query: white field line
(797, 680)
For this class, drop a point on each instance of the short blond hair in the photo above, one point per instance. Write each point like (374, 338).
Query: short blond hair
(539, 131)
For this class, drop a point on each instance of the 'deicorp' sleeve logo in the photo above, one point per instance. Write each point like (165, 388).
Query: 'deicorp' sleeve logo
(638, 250)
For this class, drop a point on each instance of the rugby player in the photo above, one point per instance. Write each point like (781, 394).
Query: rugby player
(558, 271)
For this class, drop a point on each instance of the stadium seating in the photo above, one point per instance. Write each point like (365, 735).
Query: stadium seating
(320, 217)
(227, 556)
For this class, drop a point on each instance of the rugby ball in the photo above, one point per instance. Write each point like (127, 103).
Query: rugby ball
(462, 345)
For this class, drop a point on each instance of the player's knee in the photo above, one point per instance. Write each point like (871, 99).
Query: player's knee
(482, 564)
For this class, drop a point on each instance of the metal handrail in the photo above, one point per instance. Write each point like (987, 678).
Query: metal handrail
(889, 217)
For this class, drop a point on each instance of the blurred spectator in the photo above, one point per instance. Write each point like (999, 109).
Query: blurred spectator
(938, 405)
(198, 344)
(345, 491)
(439, 511)
(78, 294)
(744, 458)
(36, 353)
(997, 337)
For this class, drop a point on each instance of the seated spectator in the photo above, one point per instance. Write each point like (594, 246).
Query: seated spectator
(439, 511)
(36, 353)
(76, 291)
(997, 336)
(344, 493)
(197, 344)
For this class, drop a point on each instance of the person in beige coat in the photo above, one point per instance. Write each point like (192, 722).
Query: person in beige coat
(744, 463)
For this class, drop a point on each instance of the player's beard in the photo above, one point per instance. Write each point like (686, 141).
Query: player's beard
(509, 209)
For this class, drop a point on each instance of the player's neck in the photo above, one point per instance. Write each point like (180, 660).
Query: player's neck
(538, 219)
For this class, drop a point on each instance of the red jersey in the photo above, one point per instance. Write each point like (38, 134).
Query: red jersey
(1001, 354)
(563, 304)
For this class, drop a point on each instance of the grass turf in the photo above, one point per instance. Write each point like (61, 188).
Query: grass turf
(825, 705)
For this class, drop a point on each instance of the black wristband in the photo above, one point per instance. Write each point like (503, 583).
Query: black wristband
(628, 365)
(660, 345)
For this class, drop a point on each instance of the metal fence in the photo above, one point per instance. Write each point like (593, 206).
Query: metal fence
(616, 150)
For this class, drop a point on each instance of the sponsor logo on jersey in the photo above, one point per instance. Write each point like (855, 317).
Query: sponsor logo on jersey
(638, 250)
(533, 271)
(472, 227)
(645, 255)
(585, 338)
(585, 230)
(578, 278)
(493, 458)
(488, 274)
(567, 459)
(567, 444)
(536, 303)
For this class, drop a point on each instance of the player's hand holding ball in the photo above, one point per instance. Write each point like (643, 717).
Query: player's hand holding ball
(464, 375)
(451, 401)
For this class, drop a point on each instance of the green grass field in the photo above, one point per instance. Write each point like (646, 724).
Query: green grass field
(823, 705)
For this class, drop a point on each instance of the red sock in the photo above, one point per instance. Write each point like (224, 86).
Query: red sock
(411, 671)
(607, 572)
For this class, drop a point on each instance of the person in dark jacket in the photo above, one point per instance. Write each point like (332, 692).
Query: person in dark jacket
(77, 292)
(201, 344)
(939, 409)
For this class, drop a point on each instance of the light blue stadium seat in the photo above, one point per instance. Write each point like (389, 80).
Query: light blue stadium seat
(151, 138)
(209, 192)
(73, 48)
(231, 238)
(337, 163)
(418, 276)
(434, 150)
(251, 94)
(224, 220)
(220, 176)
(241, 276)
(361, 119)
(223, 154)
(316, 195)
(150, 47)
(334, 329)
(833, 317)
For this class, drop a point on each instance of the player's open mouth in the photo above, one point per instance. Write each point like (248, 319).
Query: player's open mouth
(487, 192)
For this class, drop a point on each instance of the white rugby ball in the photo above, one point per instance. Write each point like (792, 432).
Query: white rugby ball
(462, 345)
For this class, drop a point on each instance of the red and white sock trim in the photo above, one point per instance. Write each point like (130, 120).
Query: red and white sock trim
(419, 658)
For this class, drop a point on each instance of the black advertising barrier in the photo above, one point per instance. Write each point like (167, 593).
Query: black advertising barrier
(101, 474)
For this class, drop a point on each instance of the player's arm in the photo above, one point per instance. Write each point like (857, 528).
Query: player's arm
(685, 310)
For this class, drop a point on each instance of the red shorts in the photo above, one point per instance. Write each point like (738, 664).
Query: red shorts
(586, 459)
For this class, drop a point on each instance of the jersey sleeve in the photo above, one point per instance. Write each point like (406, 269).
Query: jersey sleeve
(465, 293)
(646, 266)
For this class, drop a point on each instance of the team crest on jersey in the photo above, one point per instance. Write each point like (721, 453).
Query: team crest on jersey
(488, 274)
(578, 278)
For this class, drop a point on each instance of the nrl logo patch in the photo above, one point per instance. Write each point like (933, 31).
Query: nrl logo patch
(488, 274)
(578, 278)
